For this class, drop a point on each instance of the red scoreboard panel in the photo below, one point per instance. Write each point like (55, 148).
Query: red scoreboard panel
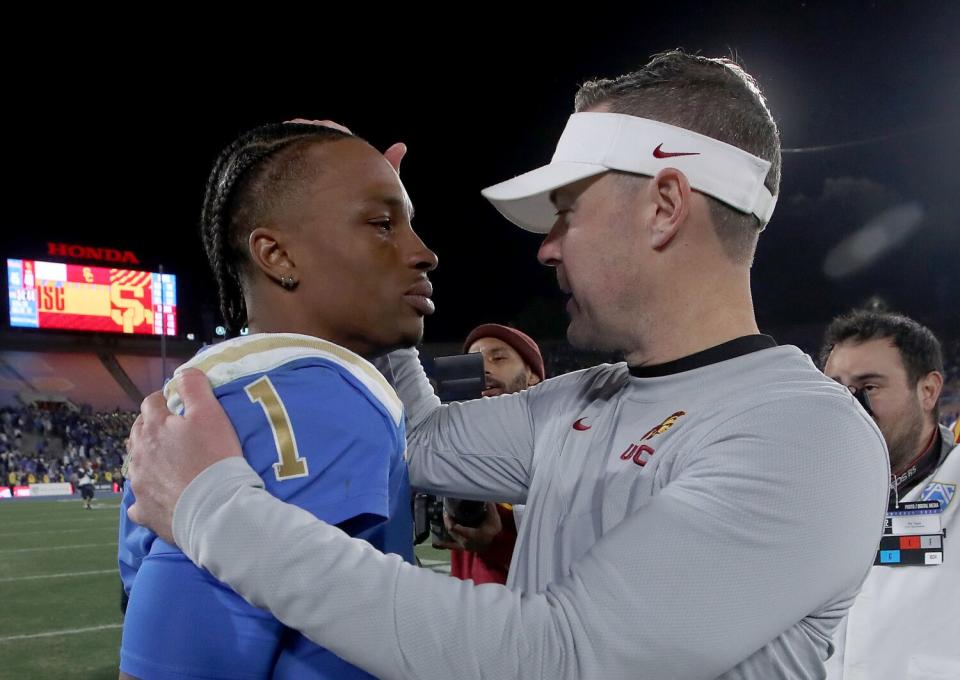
(101, 299)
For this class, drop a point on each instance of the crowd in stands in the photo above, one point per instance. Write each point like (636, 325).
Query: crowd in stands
(56, 442)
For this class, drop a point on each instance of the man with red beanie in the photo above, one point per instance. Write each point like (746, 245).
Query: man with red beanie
(511, 362)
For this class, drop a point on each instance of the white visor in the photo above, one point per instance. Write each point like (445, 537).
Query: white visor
(593, 143)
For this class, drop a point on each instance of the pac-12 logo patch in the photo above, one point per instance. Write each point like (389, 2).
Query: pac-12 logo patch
(939, 491)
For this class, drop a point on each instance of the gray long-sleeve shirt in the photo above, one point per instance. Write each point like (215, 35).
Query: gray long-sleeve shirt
(712, 522)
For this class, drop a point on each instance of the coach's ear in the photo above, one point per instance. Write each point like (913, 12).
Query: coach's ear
(668, 196)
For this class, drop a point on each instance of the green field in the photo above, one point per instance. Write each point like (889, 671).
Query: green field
(60, 590)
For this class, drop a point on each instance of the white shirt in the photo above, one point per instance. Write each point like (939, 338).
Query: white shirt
(905, 624)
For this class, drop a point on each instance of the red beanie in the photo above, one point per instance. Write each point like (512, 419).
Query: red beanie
(518, 340)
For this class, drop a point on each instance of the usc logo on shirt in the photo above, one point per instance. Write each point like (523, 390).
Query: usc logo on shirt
(667, 423)
(640, 453)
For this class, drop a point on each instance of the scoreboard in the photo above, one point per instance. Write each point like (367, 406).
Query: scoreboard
(84, 298)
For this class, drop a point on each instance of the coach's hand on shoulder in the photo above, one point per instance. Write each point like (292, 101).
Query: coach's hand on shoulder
(168, 451)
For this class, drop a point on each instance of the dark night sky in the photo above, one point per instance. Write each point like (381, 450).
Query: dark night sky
(111, 131)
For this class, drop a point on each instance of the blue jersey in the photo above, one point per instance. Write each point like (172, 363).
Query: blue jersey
(324, 431)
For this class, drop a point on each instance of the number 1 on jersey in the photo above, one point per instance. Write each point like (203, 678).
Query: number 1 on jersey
(291, 465)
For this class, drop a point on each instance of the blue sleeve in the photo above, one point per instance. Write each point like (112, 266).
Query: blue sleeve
(133, 543)
(182, 624)
(345, 443)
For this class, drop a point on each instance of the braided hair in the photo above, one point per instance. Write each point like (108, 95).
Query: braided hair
(249, 178)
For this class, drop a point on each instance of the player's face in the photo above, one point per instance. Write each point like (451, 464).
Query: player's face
(364, 270)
